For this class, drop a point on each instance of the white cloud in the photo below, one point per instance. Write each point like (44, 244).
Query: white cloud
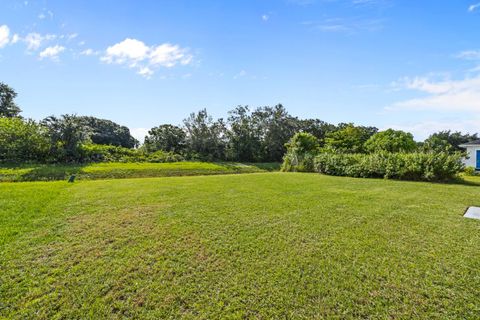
(52, 52)
(145, 72)
(35, 40)
(139, 133)
(15, 38)
(265, 17)
(4, 35)
(129, 50)
(136, 54)
(473, 7)
(442, 95)
(41, 16)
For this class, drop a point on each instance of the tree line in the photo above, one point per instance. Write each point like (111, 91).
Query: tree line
(246, 135)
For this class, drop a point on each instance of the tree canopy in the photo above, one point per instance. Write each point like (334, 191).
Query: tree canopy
(8, 107)
(391, 141)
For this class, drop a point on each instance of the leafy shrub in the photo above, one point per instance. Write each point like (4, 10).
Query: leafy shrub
(107, 153)
(391, 141)
(470, 171)
(301, 151)
(163, 157)
(22, 141)
(404, 166)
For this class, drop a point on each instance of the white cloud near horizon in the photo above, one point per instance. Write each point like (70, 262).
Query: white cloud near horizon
(52, 52)
(135, 54)
(442, 95)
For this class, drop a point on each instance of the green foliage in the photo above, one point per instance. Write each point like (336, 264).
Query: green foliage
(205, 138)
(8, 107)
(167, 138)
(391, 141)
(22, 140)
(102, 131)
(470, 171)
(244, 136)
(105, 153)
(404, 166)
(349, 138)
(67, 135)
(301, 150)
(447, 141)
(276, 127)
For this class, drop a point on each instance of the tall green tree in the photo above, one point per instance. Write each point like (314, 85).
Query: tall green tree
(243, 136)
(166, 137)
(8, 107)
(448, 140)
(206, 138)
(391, 141)
(276, 127)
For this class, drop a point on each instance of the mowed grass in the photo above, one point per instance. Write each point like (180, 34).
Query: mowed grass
(49, 172)
(268, 245)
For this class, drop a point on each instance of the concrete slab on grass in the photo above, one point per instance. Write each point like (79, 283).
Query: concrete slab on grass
(472, 213)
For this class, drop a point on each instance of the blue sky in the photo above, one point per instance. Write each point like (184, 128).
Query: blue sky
(411, 65)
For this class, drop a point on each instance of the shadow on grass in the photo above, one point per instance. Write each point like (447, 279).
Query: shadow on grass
(39, 172)
(467, 181)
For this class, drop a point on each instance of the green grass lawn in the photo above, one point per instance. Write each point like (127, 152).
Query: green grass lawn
(268, 245)
(43, 172)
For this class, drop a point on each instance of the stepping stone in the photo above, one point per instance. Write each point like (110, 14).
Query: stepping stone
(472, 213)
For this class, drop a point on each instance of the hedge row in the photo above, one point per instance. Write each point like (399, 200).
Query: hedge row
(404, 166)
(106, 153)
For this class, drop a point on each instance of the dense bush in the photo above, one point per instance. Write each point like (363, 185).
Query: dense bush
(22, 141)
(404, 166)
(391, 141)
(470, 171)
(105, 153)
(301, 151)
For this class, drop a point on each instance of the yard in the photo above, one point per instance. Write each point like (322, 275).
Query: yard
(263, 245)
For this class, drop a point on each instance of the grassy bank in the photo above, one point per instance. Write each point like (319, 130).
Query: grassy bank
(15, 173)
(273, 245)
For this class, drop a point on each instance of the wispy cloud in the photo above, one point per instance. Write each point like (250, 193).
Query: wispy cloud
(441, 95)
(89, 52)
(265, 17)
(344, 25)
(35, 40)
(241, 74)
(135, 54)
(469, 55)
(474, 7)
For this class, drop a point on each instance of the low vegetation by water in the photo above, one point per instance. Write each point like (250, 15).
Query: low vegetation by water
(271, 245)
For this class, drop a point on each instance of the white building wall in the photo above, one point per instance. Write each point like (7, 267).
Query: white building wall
(471, 160)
